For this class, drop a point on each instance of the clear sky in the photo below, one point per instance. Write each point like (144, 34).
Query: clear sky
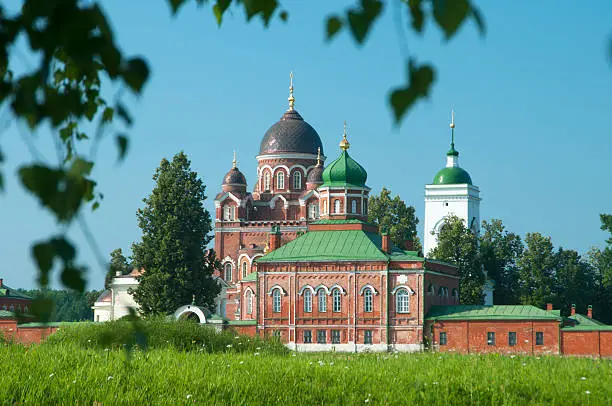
(532, 102)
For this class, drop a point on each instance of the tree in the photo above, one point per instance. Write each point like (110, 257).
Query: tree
(175, 231)
(574, 281)
(499, 253)
(601, 262)
(395, 217)
(69, 305)
(118, 264)
(75, 47)
(536, 270)
(458, 245)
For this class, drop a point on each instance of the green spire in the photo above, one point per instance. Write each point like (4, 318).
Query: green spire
(452, 151)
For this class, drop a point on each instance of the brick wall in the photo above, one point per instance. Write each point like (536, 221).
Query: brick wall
(587, 343)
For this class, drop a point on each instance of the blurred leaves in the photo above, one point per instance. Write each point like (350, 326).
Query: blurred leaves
(420, 79)
(47, 252)
(359, 20)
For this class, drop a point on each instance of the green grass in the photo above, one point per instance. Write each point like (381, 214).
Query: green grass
(70, 374)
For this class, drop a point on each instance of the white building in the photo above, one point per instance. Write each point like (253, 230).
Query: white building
(114, 303)
(452, 192)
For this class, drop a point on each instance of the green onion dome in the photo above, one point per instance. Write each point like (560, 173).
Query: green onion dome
(344, 171)
(452, 176)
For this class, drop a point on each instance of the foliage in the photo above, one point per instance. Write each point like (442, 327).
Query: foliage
(574, 281)
(499, 253)
(536, 270)
(458, 245)
(175, 232)
(394, 217)
(160, 333)
(118, 264)
(69, 305)
(63, 374)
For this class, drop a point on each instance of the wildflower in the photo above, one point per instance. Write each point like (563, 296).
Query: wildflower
(258, 348)
(583, 378)
(74, 381)
(51, 375)
(588, 392)
(345, 367)
(435, 383)
(109, 378)
(524, 363)
(188, 396)
(294, 355)
(513, 356)
(88, 341)
(237, 337)
(256, 353)
(310, 363)
(331, 363)
(241, 362)
(229, 346)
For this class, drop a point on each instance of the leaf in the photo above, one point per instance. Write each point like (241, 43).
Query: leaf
(107, 115)
(63, 249)
(264, 7)
(72, 278)
(81, 167)
(175, 5)
(334, 25)
(95, 206)
(361, 20)
(449, 14)
(43, 253)
(420, 79)
(219, 9)
(284, 16)
(136, 74)
(123, 113)
(416, 14)
(122, 144)
(479, 20)
(42, 308)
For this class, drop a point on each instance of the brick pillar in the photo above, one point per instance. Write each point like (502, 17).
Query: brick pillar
(275, 238)
(386, 242)
(549, 306)
(590, 312)
(573, 312)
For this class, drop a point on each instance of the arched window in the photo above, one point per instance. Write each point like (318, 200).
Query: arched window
(322, 300)
(249, 302)
(337, 300)
(297, 180)
(228, 213)
(266, 181)
(276, 301)
(367, 300)
(430, 289)
(280, 180)
(402, 301)
(313, 211)
(227, 274)
(456, 294)
(244, 269)
(337, 206)
(354, 206)
(307, 301)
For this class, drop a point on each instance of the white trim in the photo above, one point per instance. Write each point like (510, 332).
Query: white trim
(250, 260)
(226, 195)
(190, 309)
(334, 286)
(325, 288)
(368, 286)
(273, 288)
(302, 199)
(398, 287)
(293, 155)
(306, 287)
(276, 197)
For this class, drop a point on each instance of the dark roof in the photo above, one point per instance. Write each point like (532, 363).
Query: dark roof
(234, 177)
(291, 134)
(482, 312)
(105, 296)
(315, 175)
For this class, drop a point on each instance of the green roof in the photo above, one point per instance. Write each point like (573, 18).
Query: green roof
(216, 317)
(330, 245)
(346, 221)
(252, 277)
(5, 314)
(594, 327)
(452, 176)
(6, 292)
(344, 172)
(242, 322)
(481, 312)
(585, 321)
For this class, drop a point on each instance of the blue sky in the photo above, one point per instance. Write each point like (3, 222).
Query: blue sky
(532, 102)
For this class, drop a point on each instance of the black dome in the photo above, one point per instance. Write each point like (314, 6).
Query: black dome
(315, 175)
(234, 177)
(291, 134)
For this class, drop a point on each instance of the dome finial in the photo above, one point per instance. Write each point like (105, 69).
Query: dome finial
(234, 162)
(319, 156)
(452, 150)
(291, 98)
(344, 144)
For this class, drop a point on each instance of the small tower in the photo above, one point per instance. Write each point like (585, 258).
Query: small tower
(451, 192)
(344, 194)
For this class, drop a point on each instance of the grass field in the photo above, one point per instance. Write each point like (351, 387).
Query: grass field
(80, 371)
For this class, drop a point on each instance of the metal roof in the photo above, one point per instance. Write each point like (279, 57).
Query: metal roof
(481, 312)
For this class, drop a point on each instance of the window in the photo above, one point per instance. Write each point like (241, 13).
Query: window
(307, 301)
(276, 334)
(354, 206)
(297, 180)
(307, 336)
(337, 206)
(402, 301)
(321, 339)
(367, 337)
(98, 318)
(442, 338)
(512, 338)
(431, 289)
(324, 206)
(456, 294)
(228, 213)
(335, 336)
(227, 274)
(322, 300)
(491, 338)
(337, 300)
(244, 269)
(276, 301)
(539, 338)
(313, 211)
(266, 181)
(367, 300)
(249, 302)
(280, 180)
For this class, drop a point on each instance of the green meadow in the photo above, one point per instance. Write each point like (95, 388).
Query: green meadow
(76, 366)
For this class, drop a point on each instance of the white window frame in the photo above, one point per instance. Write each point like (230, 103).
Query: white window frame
(266, 181)
(354, 206)
(297, 180)
(368, 301)
(402, 301)
(227, 267)
(280, 180)
(322, 296)
(276, 301)
(325, 206)
(313, 211)
(337, 206)
(336, 300)
(307, 301)
(244, 269)
(228, 212)
(249, 302)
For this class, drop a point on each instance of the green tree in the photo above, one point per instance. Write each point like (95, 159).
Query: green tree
(536, 270)
(458, 245)
(601, 262)
(118, 264)
(499, 253)
(574, 281)
(69, 305)
(175, 231)
(394, 216)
